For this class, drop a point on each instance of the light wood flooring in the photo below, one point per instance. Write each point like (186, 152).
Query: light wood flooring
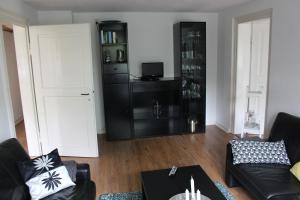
(21, 135)
(119, 165)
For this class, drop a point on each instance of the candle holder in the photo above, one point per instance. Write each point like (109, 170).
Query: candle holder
(181, 196)
(193, 195)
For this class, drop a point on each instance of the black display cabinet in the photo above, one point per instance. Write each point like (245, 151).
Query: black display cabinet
(190, 66)
(115, 78)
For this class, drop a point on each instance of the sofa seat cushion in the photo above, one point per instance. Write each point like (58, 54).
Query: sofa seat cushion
(272, 182)
(19, 192)
(84, 190)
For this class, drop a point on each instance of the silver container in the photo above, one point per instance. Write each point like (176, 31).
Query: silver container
(193, 124)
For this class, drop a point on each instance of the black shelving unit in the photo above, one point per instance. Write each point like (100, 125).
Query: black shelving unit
(115, 77)
(190, 66)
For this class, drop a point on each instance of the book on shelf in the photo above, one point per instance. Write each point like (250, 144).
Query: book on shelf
(114, 37)
(102, 37)
(108, 37)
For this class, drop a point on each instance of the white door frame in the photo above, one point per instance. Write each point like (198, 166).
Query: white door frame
(237, 20)
(12, 19)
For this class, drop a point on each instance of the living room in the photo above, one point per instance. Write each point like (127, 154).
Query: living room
(121, 165)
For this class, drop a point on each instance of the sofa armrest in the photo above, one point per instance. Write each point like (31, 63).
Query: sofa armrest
(229, 156)
(230, 180)
(83, 172)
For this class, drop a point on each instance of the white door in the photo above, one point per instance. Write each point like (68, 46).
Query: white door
(252, 76)
(27, 90)
(63, 78)
(258, 79)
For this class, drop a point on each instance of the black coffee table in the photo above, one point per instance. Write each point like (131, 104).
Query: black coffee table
(157, 185)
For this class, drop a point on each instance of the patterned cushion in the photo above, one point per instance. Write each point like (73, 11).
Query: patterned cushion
(45, 175)
(245, 151)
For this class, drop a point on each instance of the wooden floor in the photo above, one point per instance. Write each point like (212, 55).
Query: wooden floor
(21, 135)
(120, 163)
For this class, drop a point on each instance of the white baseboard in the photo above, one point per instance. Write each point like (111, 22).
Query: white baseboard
(101, 131)
(223, 128)
(210, 123)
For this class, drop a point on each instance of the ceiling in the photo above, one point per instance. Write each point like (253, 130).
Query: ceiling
(135, 5)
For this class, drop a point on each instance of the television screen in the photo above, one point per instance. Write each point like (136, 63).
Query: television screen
(154, 69)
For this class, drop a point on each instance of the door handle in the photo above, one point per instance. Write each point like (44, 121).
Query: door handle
(85, 94)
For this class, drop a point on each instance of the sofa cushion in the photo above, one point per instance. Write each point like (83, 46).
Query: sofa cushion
(287, 127)
(296, 170)
(85, 190)
(11, 152)
(71, 166)
(12, 185)
(272, 182)
(293, 151)
(247, 151)
(45, 175)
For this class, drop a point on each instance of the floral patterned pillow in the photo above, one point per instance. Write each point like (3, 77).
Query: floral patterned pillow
(45, 175)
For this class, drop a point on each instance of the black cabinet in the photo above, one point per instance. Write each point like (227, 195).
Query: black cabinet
(190, 66)
(156, 107)
(115, 78)
(117, 111)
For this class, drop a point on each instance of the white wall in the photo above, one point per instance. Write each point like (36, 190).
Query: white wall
(18, 7)
(150, 38)
(4, 124)
(12, 70)
(55, 17)
(284, 81)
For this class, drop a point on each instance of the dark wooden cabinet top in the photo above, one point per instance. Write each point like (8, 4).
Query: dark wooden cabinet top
(164, 84)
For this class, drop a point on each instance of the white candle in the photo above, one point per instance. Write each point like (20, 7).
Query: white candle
(187, 195)
(193, 188)
(198, 195)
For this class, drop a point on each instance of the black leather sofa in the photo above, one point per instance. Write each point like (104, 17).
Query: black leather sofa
(12, 187)
(270, 181)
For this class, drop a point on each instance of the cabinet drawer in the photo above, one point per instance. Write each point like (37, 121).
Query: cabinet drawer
(155, 86)
(115, 68)
(115, 78)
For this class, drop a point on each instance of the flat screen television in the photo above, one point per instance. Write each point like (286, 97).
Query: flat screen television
(152, 71)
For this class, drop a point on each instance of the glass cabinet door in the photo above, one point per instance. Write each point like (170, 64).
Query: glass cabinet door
(193, 60)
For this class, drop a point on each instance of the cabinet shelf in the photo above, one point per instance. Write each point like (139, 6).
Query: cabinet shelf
(113, 44)
(191, 77)
(114, 63)
(195, 58)
(156, 119)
